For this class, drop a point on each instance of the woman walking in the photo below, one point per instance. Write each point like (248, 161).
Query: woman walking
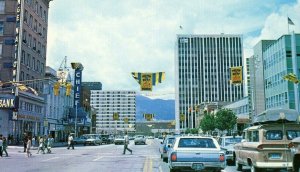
(28, 147)
(4, 146)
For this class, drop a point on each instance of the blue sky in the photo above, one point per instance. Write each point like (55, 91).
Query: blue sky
(113, 38)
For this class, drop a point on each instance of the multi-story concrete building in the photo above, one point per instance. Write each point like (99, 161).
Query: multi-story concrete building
(57, 107)
(108, 103)
(202, 70)
(277, 60)
(93, 87)
(23, 42)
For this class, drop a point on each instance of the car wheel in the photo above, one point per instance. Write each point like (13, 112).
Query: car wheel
(174, 170)
(239, 167)
(165, 160)
(254, 169)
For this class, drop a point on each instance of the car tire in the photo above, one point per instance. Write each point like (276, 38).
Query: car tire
(239, 167)
(254, 169)
(165, 160)
(174, 170)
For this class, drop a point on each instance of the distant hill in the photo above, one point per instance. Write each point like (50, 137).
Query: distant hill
(163, 109)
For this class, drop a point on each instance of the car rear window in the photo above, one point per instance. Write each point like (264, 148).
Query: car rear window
(196, 143)
(291, 134)
(274, 135)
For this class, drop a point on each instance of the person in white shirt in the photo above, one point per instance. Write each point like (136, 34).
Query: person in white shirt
(70, 142)
(126, 144)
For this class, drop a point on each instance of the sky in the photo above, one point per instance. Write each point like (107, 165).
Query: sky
(113, 38)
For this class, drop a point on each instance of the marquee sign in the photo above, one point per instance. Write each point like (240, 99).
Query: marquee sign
(8, 102)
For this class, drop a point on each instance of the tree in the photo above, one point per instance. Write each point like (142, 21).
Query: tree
(225, 119)
(208, 122)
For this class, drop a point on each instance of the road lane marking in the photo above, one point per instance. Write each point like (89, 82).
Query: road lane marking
(160, 169)
(98, 158)
(146, 165)
(50, 159)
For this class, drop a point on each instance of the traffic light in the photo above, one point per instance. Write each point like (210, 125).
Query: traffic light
(68, 89)
(116, 116)
(56, 88)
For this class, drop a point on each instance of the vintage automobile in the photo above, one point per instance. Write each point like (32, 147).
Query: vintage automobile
(295, 150)
(265, 145)
(165, 145)
(140, 139)
(196, 153)
(79, 140)
(92, 139)
(227, 143)
(119, 140)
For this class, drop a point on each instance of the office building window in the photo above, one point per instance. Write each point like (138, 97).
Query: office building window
(2, 7)
(1, 27)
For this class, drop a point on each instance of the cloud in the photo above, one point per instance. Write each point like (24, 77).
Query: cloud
(113, 38)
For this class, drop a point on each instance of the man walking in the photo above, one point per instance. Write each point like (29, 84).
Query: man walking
(126, 144)
(1, 144)
(4, 146)
(70, 141)
(25, 139)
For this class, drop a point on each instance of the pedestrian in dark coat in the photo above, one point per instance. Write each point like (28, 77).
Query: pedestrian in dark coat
(4, 147)
(25, 139)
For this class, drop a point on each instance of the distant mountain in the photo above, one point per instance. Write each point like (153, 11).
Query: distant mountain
(163, 109)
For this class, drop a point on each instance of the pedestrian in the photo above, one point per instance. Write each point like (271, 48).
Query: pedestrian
(25, 139)
(126, 142)
(33, 141)
(41, 145)
(28, 147)
(4, 146)
(70, 141)
(49, 144)
(1, 144)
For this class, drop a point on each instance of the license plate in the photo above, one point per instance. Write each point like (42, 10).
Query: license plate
(274, 155)
(197, 166)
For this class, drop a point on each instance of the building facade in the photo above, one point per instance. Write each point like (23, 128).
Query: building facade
(202, 70)
(277, 59)
(57, 107)
(23, 42)
(108, 103)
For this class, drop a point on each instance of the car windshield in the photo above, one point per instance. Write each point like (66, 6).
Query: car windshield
(170, 140)
(291, 134)
(196, 143)
(274, 135)
(90, 137)
(231, 141)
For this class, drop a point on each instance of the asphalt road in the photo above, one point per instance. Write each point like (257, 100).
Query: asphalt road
(103, 158)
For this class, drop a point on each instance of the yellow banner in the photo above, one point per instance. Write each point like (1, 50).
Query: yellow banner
(116, 116)
(236, 76)
(146, 82)
(182, 117)
(126, 120)
(148, 116)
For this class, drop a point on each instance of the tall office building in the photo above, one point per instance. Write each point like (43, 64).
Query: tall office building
(23, 42)
(277, 58)
(108, 103)
(203, 73)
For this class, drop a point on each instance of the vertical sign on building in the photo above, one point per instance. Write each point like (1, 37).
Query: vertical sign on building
(236, 75)
(77, 82)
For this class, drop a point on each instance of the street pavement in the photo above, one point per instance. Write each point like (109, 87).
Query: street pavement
(102, 158)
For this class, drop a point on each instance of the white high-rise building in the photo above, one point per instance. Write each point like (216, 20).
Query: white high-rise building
(108, 103)
(202, 72)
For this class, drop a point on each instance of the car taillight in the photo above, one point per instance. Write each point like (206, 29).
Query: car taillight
(174, 156)
(222, 157)
(260, 147)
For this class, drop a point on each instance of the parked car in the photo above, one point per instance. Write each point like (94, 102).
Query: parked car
(92, 139)
(295, 150)
(106, 139)
(139, 139)
(150, 137)
(79, 140)
(119, 140)
(196, 153)
(165, 145)
(227, 143)
(265, 145)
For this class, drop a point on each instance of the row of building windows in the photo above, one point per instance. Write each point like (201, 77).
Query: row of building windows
(32, 63)
(32, 42)
(277, 100)
(37, 8)
(30, 107)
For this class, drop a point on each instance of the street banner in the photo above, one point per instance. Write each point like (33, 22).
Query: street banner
(126, 120)
(148, 116)
(146, 82)
(236, 75)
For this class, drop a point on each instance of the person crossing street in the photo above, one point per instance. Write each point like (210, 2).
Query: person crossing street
(126, 142)
(70, 141)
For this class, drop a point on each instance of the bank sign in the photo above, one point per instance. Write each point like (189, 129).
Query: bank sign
(77, 87)
(8, 102)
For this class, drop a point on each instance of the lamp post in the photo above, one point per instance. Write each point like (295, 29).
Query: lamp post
(75, 120)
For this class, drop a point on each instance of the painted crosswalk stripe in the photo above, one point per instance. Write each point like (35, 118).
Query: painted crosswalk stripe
(50, 159)
(98, 158)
